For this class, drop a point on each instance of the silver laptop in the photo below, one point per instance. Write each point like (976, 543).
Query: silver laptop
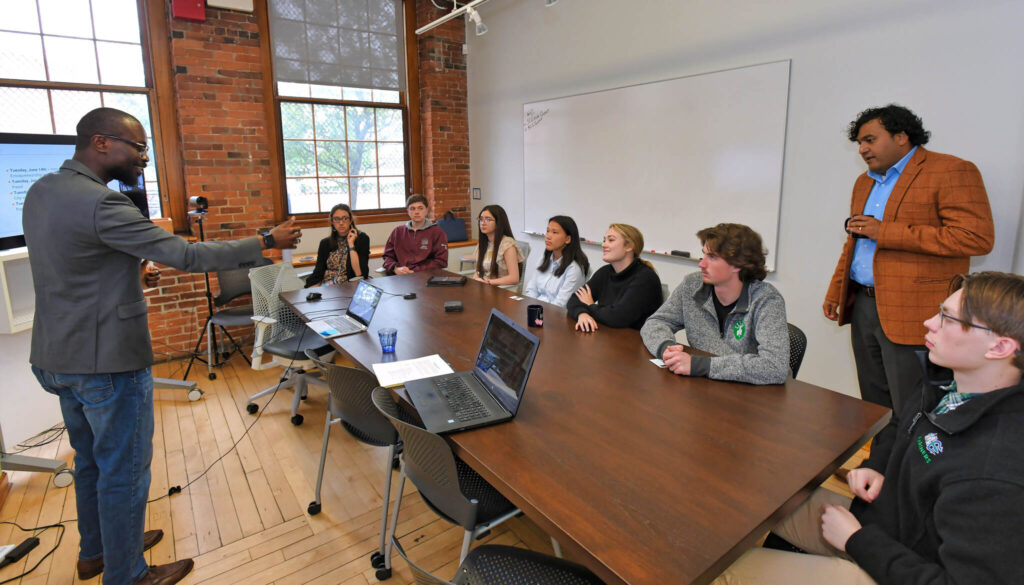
(489, 393)
(356, 318)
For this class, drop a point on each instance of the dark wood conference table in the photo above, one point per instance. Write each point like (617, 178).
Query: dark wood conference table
(648, 478)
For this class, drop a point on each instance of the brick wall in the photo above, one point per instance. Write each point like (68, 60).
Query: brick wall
(443, 110)
(218, 83)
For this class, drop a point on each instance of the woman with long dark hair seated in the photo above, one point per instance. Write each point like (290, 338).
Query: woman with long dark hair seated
(344, 254)
(497, 255)
(564, 267)
(622, 293)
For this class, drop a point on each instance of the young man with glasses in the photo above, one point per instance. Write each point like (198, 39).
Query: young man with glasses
(90, 337)
(941, 501)
(419, 244)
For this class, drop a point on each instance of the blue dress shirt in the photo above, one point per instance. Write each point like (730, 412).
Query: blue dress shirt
(864, 251)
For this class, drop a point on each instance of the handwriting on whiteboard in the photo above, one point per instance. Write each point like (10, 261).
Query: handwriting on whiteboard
(534, 117)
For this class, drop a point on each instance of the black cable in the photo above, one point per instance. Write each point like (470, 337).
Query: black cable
(177, 488)
(41, 529)
(56, 431)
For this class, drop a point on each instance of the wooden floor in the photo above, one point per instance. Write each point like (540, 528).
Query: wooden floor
(245, 521)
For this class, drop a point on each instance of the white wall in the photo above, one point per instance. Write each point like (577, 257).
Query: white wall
(955, 63)
(25, 408)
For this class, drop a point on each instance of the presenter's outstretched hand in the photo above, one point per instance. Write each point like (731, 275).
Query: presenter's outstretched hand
(287, 235)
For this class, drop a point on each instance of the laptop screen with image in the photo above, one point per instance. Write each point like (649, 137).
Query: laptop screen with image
(364, 302)
(505, 358)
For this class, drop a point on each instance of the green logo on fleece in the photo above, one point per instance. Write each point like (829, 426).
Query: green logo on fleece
(739, 329)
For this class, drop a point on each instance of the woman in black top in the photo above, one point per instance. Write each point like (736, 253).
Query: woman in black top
(341, 257)
(622, 293)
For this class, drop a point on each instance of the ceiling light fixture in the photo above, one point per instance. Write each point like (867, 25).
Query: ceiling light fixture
(481, 28)
(455, 13)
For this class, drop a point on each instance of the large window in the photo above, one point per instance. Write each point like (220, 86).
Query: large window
(335, 152)
(62, 58)
(340, 95)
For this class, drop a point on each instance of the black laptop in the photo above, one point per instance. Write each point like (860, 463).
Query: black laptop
(488, 394)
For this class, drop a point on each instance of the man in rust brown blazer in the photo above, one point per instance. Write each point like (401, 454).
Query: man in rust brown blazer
(916, 218)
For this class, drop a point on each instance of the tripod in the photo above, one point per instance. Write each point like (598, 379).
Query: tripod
(233, 284)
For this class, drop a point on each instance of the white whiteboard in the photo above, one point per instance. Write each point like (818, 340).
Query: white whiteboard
(670, 157)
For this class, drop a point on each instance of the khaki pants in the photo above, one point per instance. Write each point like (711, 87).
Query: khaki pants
(802, 528)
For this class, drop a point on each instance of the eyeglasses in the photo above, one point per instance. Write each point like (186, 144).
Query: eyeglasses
(344, 219)
(943, 316)
(141, 147)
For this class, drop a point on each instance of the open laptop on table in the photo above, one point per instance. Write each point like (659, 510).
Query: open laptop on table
(357, 316)
(489, 393)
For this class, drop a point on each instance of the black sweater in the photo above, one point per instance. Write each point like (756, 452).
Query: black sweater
(625, 299)
(362, 247)
(952, 504)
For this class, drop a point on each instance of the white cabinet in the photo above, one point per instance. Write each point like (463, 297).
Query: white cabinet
(17, 298)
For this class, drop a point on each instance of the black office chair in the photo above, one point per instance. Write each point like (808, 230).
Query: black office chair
(349, 404)
(233, 284)
(797, 347)
(448, 485)
(506, 565)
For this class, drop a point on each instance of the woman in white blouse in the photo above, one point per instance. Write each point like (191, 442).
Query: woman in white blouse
(498, 258)
(565, 266)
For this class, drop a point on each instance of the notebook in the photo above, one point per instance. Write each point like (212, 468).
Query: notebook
(356, 318)
(489, 393)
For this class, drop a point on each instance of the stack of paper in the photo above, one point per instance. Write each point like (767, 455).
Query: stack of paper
(395, 374)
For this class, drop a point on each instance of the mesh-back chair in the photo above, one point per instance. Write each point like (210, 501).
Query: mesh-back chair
(233, 284)
(282, 334)
(350, 405)
(493, 564)
(448, 485)
(797, 347)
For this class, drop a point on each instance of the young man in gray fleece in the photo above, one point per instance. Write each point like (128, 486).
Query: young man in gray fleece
(727, 310)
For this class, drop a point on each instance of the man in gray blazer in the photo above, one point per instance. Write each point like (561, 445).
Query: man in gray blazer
(90, 339)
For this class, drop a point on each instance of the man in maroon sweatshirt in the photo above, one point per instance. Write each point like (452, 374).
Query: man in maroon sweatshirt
(418, 245)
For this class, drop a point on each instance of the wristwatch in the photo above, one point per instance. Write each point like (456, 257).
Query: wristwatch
(268, 239)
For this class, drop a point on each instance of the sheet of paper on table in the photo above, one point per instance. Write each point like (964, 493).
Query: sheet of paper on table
(394, 374)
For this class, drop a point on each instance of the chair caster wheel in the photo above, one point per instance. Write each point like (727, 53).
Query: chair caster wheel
(313, 509)
(225, 354)
(377, 560)
(64, 478)
(194, 395)
(212, 376)
(251, 408)
(297, 420)
(383, 574)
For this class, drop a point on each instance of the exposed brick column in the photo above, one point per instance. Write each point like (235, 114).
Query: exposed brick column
(218, 85)
(444, 116)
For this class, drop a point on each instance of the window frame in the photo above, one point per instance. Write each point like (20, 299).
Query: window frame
(408, 102)
(163, 120)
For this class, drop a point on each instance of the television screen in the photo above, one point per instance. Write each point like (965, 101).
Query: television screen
(24, 158)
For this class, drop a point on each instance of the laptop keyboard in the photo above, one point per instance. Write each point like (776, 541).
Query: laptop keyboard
(342, 325)
(463, 402)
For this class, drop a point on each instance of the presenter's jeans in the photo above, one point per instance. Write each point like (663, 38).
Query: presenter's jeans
(109, 418)
(802, 528)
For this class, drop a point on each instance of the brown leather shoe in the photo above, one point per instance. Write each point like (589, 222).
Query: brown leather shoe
(89, 569)
(167, 574)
